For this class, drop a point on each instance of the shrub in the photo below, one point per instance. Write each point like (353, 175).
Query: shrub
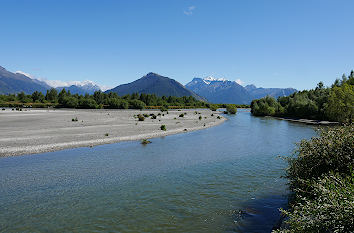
(322, 177)
(218, 117)
(181, 115)
(330, 211)
(231, 108)
(145, 142)
(200, 117)
(153, 116)
(70, 102)
(164, 108)
(87, 103)
(213, 107)
(74, 119)
(163, 127)
(137, 104)
(141, 117)
(106, 134)
(117, 103)
(332, 151)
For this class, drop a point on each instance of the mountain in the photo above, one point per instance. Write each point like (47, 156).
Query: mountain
(153, 83)
(220, 90)
(260, 92)
(16, 82)
(81, 88)
(224, 91)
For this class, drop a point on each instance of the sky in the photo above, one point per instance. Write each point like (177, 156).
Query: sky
(270, 43)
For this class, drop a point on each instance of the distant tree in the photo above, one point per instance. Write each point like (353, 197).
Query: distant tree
(231, 108)
(137, 104)
(52, 95)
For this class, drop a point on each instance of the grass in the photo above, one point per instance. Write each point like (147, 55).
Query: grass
(145, 142)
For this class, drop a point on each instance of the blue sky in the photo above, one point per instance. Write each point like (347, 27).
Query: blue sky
(273, 43)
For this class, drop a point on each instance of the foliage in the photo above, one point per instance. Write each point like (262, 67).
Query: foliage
(333, 103)
(322, 179)
(141, 117)
(99, 100)
(163, 127)
(231, 108)
(332, 151)
(213, 107)
(330, 210)
(145, 142)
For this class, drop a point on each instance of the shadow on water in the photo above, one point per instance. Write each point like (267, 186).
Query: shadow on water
(260, 215)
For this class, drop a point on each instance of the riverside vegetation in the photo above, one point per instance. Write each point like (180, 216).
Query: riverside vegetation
(64, 99)
(335, 103)
(321, 177)
(321, 170)
(99, 100)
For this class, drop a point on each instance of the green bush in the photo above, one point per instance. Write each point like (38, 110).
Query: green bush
(163, 127)
(181, 115)
(231, 108)
(117, 103)
(331, 209)
(332, 151)
(141, 117)
(145, 142)
(322, 179)
(213, 107)
(137, 104)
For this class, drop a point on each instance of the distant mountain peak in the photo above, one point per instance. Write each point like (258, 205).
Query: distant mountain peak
(2, 68)
(152, 74)
(153, 83)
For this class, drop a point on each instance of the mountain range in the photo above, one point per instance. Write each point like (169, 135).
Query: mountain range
(206, 89)
(153, 83)
(225, 91)
(11, 83)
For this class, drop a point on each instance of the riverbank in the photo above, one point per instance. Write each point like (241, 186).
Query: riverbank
(41, 130)
(308, 122)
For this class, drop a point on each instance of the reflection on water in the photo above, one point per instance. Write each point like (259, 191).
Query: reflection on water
(221, 179)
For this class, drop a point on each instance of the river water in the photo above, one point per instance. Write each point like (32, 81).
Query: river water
(222, 179)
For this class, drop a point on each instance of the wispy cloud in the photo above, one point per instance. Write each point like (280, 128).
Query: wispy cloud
(239, 81)
(189, 10)
(60, 83)
(25, 74)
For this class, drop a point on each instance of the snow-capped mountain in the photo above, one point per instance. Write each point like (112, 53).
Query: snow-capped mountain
(79, 87)
(209, 79)
(221, 90)
(75, 87)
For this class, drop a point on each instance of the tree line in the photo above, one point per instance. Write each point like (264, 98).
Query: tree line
(335, 103)
(98, 100)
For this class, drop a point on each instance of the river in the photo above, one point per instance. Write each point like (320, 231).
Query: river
(221, 179)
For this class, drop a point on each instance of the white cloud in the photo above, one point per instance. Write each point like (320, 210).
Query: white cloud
(26, 74)
(189, 10)
(239, 81)
(59, 83)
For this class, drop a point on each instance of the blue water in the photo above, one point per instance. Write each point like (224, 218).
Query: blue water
(221, 179)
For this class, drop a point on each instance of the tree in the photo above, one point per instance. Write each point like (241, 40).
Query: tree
(340, 106)
(52, 95)
(231, 108)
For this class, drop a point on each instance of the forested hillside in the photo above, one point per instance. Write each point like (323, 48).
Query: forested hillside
(335, 103)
